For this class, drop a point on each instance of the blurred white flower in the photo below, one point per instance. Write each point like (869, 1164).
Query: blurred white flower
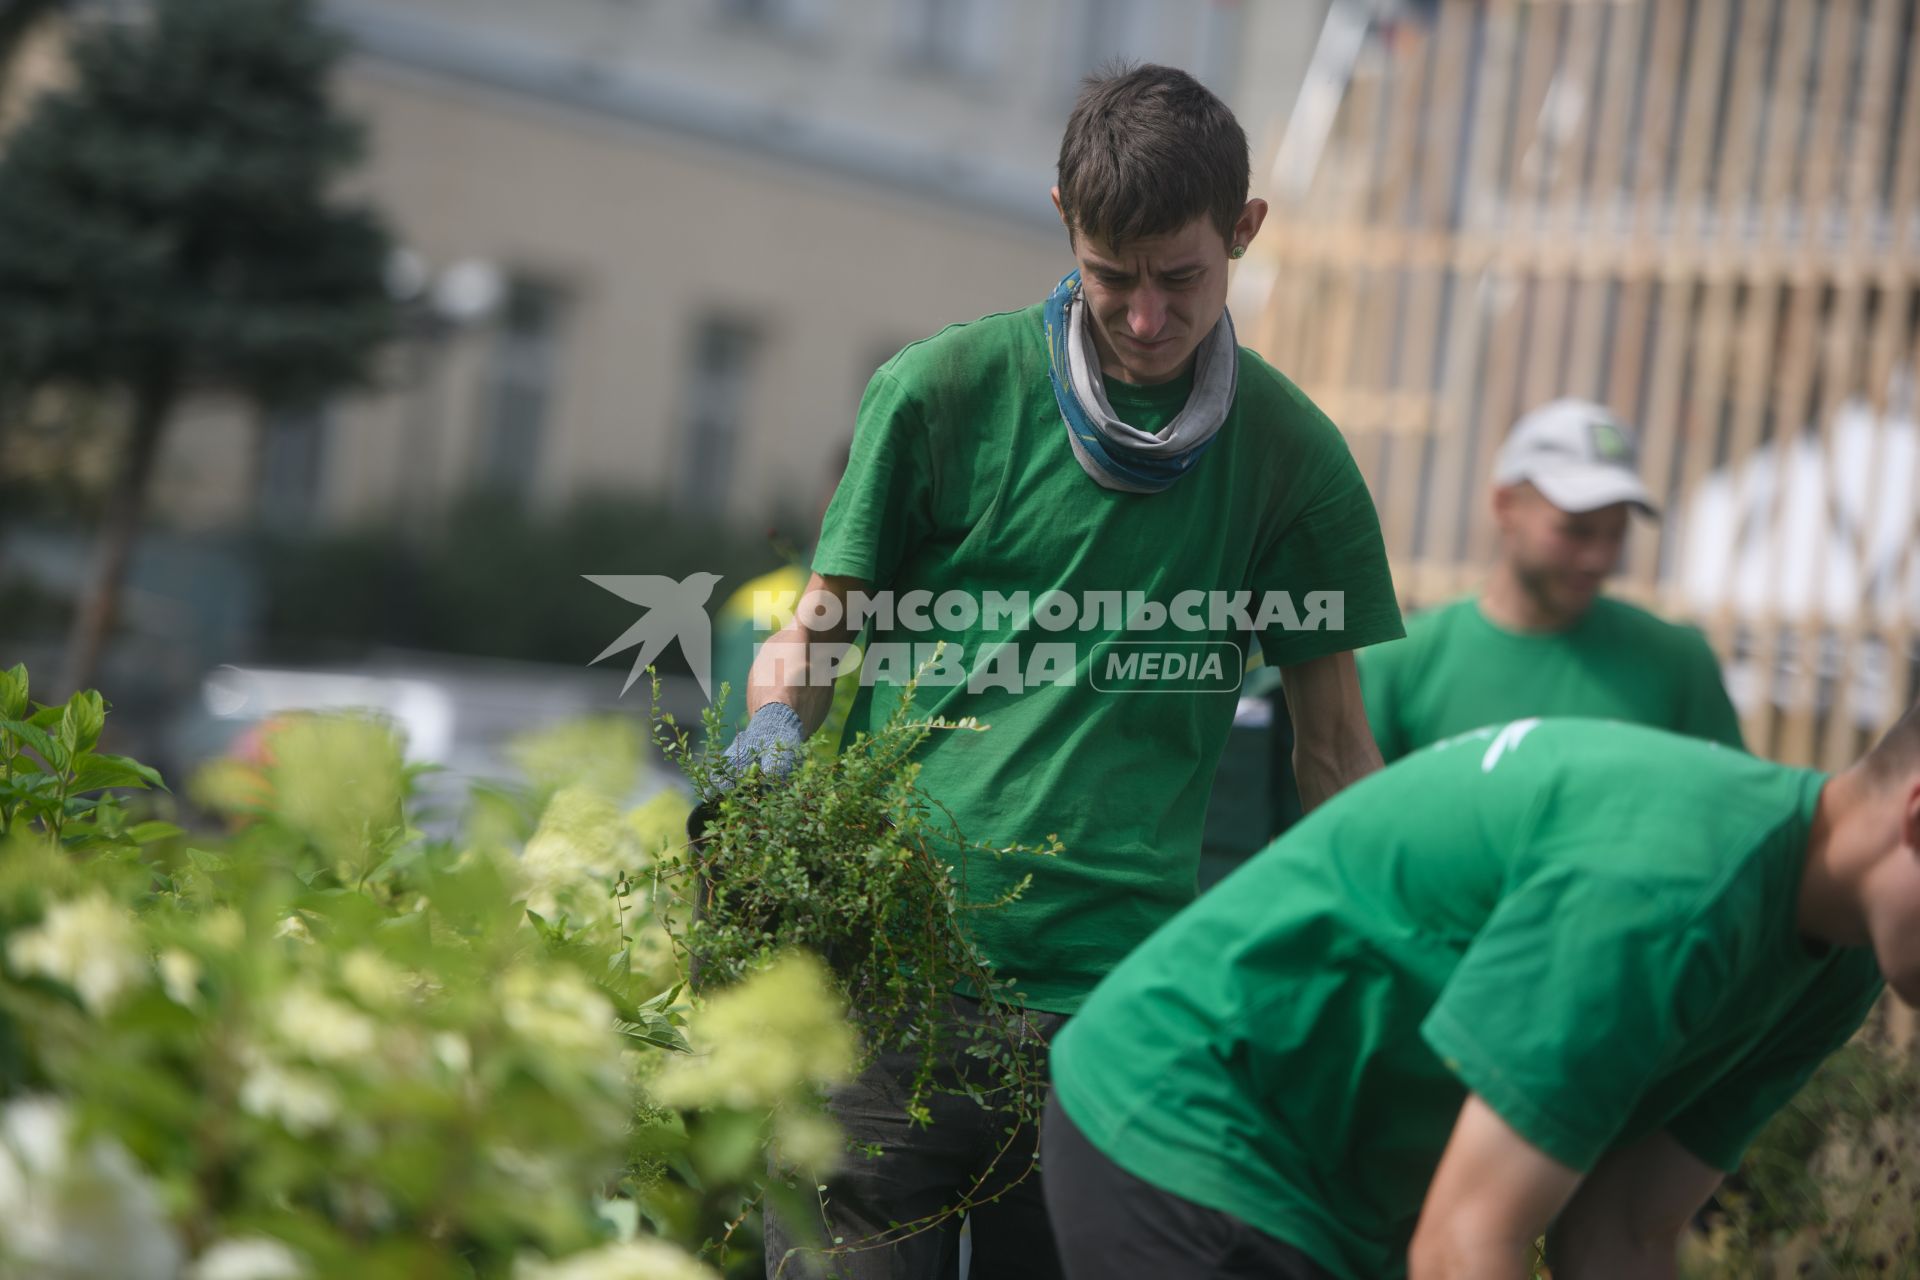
(254, 1258)
(180, 975)
(224, 928)
(602, 755)
(451, 1050)
(91, 944)
(337, 778)
(302, 1101)
(75, 1215)
(805, 1139)
(532, 1173)
(582, 843)
(323, 1028)
(374, 980)
(293, 926)
(660, 824)
(559, 1009)
(759, 1043)
(633, 1260)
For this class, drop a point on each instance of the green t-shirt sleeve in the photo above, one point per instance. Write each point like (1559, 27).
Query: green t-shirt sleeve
(1719, 1126)
(1568, 1002)
(1705, 710)
(883, 505)
(1381, 670)
(1332, 545)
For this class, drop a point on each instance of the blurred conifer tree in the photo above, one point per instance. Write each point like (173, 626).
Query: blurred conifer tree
(168, 225)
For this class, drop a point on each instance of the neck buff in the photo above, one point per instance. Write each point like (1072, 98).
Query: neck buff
(1116, 455)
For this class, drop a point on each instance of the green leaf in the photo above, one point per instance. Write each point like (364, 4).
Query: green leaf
(13, 692)
(35, 807)
(657, 1035)
(96, 772)
(148, 832)
(730, 1145)
(36, 738)
(81, 722)
(47, 718)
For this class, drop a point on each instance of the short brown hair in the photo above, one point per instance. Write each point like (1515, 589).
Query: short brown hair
(1147, 150)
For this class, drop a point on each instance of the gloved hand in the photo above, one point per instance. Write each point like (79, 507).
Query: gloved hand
(772, 740)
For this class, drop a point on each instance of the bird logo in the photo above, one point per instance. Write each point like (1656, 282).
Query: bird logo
(675, 609)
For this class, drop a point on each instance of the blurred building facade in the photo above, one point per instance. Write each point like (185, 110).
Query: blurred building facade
(661, 247)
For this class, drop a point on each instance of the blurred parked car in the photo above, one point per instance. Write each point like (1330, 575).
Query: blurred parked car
(457, 714)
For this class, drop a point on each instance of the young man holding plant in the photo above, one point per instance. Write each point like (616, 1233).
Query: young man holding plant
(1112, 445)
(1547, 978)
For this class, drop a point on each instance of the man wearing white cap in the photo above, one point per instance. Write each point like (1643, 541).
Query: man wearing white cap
(1540, 639)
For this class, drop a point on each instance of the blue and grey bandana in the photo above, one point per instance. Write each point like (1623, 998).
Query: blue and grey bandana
(1116, 455)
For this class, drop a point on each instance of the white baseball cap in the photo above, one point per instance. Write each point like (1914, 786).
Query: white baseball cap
(1577, 454)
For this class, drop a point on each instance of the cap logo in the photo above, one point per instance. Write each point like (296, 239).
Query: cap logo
(1610, 445)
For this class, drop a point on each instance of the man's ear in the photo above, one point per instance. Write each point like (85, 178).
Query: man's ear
(1500, 501)
(1249, 222)
(1055, 193)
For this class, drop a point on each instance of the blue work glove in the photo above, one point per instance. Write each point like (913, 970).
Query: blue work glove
(772, 740)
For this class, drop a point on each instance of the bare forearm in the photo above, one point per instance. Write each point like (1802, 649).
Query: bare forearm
(1492, 1197)
(1322, 767)
(798, 670)
(1332, 745)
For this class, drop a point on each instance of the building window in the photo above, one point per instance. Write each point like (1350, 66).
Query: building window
(784, 17)
(292, 453)
(963, 37)
(725, 350)
(525, 367)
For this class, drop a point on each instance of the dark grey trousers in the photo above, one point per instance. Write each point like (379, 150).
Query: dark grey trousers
(920, 1171)
(1111, 1225)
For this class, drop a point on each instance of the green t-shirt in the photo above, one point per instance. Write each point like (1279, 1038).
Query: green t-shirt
(1457, 671)
(1589, 924)
(962, 480)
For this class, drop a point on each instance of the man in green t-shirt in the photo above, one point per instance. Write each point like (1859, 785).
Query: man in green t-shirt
(1540, 640)
(1098, 504)
(1548, 978)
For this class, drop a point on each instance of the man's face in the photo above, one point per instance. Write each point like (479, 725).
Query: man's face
(1561, 558)
(1153, 301)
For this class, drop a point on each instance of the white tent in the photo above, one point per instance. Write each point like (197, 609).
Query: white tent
(1817, 532)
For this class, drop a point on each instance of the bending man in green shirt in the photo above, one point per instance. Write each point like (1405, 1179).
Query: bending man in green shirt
(1548, 978)
(1098, 503)
(1540, 640)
